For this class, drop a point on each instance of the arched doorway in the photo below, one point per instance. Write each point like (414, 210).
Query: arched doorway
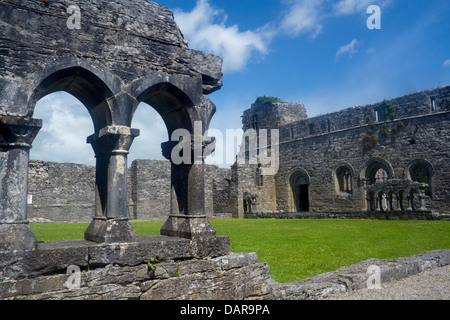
(299, 191)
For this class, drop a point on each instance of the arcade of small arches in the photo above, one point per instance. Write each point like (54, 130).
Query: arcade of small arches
(382, 192)
(112, 113)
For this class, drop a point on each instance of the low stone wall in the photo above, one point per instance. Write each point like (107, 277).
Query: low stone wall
(231, 276)
(379, 215)
(355, 277)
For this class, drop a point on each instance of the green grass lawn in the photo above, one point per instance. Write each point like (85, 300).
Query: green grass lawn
(298, 249)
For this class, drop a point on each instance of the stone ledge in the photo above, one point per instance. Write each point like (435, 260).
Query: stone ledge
(354, 277)
(233, 276)
(55, 257)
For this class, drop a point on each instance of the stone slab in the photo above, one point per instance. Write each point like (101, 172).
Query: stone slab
(56, 256)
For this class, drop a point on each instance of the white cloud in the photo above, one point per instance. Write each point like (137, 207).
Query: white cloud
(66, 125)
(447, 63)
(347, 49)
(153, 132)
(203, 32)
(345, 7)
(304, 16)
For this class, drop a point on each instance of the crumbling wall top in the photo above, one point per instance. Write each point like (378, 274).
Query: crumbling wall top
(119, 42)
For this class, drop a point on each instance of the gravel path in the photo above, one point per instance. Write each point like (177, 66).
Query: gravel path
(431, 284)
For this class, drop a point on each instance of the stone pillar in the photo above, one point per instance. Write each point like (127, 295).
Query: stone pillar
(377, 202)
(410, 202)
(111, 221)
(422, 197)
(16, 137)
(399, 202)
(188, 217)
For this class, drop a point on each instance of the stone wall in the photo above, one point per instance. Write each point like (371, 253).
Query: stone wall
(415, 133)
(149, 190)
(233, 276)
(65, 192)
(317, 147)
(61, 192)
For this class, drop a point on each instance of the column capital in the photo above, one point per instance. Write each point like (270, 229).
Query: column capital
(113, 140)
(18, 132)
(207, 147)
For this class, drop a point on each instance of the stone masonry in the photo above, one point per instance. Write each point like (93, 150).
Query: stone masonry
(320, 150)
(390, 156)
(65, 192)
(115, 56)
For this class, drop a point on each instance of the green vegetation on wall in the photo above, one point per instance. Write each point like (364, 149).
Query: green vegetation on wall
(264, 100)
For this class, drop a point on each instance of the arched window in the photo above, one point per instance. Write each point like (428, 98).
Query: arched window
(422, 171)
(377, 170)
(344, 179)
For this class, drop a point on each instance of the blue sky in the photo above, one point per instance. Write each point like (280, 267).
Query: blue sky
(318, 52)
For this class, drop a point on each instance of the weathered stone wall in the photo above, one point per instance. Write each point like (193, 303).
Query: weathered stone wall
(149, 190)
(417, 132)
(217, 192)
(35, 33)
(61, 192)
(234, 276)
(65, 192)
(271, 116)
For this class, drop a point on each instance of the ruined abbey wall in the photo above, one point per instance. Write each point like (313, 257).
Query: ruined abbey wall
(415, 132)
(313, 148)
(65, 192)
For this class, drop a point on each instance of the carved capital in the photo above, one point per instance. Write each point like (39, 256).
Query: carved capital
(18, 132)
(112, 140)
(197, 147)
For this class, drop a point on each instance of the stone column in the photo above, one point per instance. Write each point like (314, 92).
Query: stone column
(377, 202)
(16, 137)
(410, 202)
(111, 221)
(188, 217)
(399, 202)
(422, 197)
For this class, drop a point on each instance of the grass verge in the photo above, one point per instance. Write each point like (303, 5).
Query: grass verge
(298, 249)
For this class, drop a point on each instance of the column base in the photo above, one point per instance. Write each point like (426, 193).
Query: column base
(17, 237)
(190, 227)
(103, 230)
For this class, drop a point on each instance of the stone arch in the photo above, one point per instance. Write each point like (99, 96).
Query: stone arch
(110, 78)
(391, 198)
(299, 193)
(371, 169)
(171, 103)
(84, 85)
(343, 175)
(421, 170)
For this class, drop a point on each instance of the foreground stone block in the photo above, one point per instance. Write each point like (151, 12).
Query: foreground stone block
(231, 276)
(185, 226)
(110, 230)
(57, 256)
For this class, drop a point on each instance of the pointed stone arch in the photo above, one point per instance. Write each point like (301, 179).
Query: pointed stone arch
(299, 190)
